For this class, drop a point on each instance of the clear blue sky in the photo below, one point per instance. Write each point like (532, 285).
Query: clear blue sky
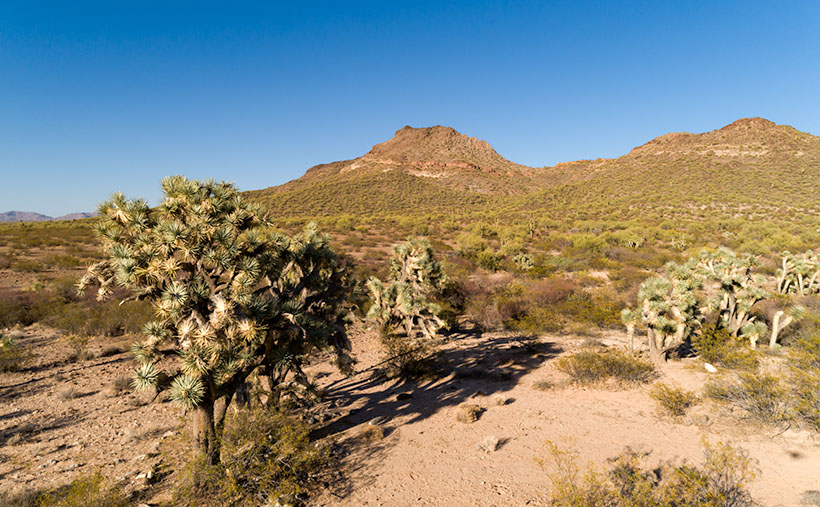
(95, 97)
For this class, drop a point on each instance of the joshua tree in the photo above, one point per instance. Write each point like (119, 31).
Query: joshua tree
(230, 295)
(731, 288)
(404, 301)
(668, 308)
(799, 274)
(782, 318)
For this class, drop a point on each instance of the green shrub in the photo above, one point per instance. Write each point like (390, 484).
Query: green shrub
(12, 356)
(804, 369)
(761, 395)
(91, 489)
(719, 481)
(672, 400)
(592, 366)
(717, 346)
(267, 458)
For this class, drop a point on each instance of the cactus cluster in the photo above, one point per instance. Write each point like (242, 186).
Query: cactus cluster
(231, 295)
(405, 302)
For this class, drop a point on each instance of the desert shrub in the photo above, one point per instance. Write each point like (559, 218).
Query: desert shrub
(77, 345)
(804, 369)
(92, 489)
(100, 318)
(371, 433)
(591, 366)
(28, 265)
(673, 400)
(488, 260)
(12, 356)
(589, 242)
(715, 345)
(761, 395)
(62, 261)
(543, 385)
(408, 359)
(577, 310)
(267, 458)
(551, 290)
(720, 481)
(468, 413)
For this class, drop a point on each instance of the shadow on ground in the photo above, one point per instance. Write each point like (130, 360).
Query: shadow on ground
(471, 366)
(484, 367)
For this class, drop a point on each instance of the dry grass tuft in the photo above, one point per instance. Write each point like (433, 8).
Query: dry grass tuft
(593, 366)
(468, 413)
(674, 401)
(543, 385)
(371, 433)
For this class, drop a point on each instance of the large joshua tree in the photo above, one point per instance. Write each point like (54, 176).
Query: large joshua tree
(668, 307)
(404, 302)
(230, 295)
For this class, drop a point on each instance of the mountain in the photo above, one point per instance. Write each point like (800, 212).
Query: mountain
(750, 162)
(418, 168)
(23, 216)
(28, 216)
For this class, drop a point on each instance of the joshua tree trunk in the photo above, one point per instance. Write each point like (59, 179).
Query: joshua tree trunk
(778, 326)
(630, 335)
(206, 443)
(656, 350)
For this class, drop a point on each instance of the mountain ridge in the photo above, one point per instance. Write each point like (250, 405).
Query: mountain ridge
(741, 161)
(30, 216)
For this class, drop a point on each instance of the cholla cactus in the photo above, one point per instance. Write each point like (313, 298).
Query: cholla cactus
(799, 274)
(404, 301)
(731, 288)
(523, 261)
(668, 308)
(230, 294)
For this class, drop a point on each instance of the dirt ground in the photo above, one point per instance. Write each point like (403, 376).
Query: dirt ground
(62, 419)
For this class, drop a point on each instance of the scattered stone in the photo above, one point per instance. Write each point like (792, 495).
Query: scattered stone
(489, 444)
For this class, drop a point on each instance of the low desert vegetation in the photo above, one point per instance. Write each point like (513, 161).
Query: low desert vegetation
(783, 395)
(91, 489)
(673, 400)
(720, 480)
(468, 413)
(606, 364)
(267, 459)
(12, 356)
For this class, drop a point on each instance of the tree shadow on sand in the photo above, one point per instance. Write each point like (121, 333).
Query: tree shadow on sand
(471, 366)
(484, 367)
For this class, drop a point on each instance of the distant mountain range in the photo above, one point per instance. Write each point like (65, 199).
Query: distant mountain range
(28, 216)
(750, 162)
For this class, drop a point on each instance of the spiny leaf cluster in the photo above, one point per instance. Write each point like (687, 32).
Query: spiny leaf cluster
(229, 293)
(406, 300)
